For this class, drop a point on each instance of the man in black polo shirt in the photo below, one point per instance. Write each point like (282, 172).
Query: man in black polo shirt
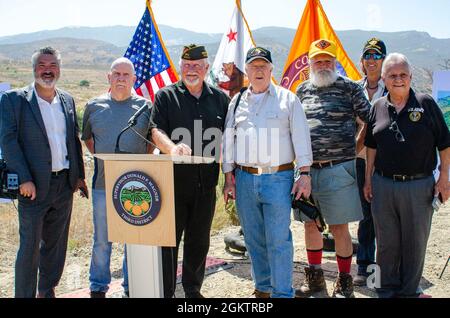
(404, 133)
(181, 115)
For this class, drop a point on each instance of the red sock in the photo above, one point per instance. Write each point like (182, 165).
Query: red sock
(314, 257)
(344, 264)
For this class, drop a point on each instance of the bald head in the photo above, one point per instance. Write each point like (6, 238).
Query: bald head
(124, 61)
(121, 78)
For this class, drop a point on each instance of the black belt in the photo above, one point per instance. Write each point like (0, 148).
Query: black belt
(60, 172)
(402, 178)
(321, 165)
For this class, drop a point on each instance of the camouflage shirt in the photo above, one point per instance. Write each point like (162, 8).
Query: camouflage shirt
(331, 112)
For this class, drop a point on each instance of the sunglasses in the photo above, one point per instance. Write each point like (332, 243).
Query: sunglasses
(397, 133)
(375, 56)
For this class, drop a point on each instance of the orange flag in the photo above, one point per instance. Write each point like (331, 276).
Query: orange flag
(314, 25)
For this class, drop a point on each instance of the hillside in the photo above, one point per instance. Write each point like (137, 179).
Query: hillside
(97, 47)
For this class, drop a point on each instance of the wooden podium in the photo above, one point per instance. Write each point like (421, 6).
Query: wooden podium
(140, 206)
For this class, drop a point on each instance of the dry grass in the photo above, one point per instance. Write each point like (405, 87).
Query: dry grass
(81, 229)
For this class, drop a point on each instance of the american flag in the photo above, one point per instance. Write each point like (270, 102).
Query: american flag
(154, 69)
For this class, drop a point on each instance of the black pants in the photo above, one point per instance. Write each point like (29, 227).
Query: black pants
(194, 212)
(366, 231)
(44, 229)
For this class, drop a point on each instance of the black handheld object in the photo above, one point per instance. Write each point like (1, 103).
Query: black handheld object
(9, 182)
(84, 193)
(308, 208)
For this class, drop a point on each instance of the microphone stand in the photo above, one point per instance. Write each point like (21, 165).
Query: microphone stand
(130, 126)
(117, 149)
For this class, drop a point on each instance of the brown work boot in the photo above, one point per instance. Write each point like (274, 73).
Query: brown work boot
(314, 282)
(343, 287)
(260, 294)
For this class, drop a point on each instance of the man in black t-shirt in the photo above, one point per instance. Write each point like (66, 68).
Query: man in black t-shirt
(404, 133)
(188, 118)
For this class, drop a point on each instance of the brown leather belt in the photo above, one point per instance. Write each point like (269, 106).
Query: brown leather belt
(267, 170)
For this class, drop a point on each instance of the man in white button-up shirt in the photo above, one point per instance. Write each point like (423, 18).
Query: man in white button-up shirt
(40, 142)
(55, 126)
(266, 133)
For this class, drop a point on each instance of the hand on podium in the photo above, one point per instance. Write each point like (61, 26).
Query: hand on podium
(181, 150)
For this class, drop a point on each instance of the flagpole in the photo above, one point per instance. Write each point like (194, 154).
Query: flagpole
(149, 7)
(238, 4)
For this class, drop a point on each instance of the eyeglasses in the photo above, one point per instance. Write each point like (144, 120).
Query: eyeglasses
(397, 133)
(375, 56)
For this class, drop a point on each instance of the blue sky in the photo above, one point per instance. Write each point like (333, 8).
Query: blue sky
(25, 16)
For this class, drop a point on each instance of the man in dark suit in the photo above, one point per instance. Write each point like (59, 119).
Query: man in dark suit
(39, 140)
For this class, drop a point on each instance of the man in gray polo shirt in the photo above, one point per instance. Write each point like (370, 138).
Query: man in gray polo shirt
(104, 118)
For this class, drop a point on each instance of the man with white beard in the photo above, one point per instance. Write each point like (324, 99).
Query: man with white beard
(332, 103)
(183, 115)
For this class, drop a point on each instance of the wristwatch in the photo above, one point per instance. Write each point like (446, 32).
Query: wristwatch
(299, 173)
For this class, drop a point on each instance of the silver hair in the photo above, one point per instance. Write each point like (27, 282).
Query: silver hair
(122, 60)
(45, 50)
(395, 59)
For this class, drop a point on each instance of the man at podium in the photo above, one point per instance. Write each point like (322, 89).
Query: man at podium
(104, 118)
(182, 114)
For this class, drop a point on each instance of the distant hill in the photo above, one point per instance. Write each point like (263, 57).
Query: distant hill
(118, 35)
(74, 51)
(444, 102)
(89, 46)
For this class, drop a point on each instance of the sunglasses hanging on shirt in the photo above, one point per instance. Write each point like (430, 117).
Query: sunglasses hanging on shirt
(394, 126)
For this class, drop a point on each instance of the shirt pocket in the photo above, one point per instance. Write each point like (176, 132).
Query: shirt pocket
(277, 119)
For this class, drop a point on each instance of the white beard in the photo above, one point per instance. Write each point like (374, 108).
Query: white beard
(46, 84)
(323, 78)
(192, 83)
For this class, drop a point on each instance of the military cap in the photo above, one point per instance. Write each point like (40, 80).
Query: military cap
(258, 53)
(375, 44)
(194, 52)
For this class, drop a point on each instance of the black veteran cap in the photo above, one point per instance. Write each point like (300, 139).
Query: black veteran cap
(258, 53)
(376, 45)
(194, 52)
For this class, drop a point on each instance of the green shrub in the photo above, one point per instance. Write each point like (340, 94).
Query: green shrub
(85, 83)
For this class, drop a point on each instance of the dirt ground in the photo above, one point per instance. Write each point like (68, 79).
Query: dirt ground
(235, 282)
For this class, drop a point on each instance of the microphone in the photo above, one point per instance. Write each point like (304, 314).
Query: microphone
(132, 120)
(130, 124)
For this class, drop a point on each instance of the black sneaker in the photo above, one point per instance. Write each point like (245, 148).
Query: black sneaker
(360, 280)
(194, 294)
(98, 294)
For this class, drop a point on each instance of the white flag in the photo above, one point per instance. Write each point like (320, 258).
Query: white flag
(228, 70)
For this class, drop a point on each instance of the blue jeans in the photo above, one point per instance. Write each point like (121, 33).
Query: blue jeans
(366, 230)
(100, 273)
(264, 207)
